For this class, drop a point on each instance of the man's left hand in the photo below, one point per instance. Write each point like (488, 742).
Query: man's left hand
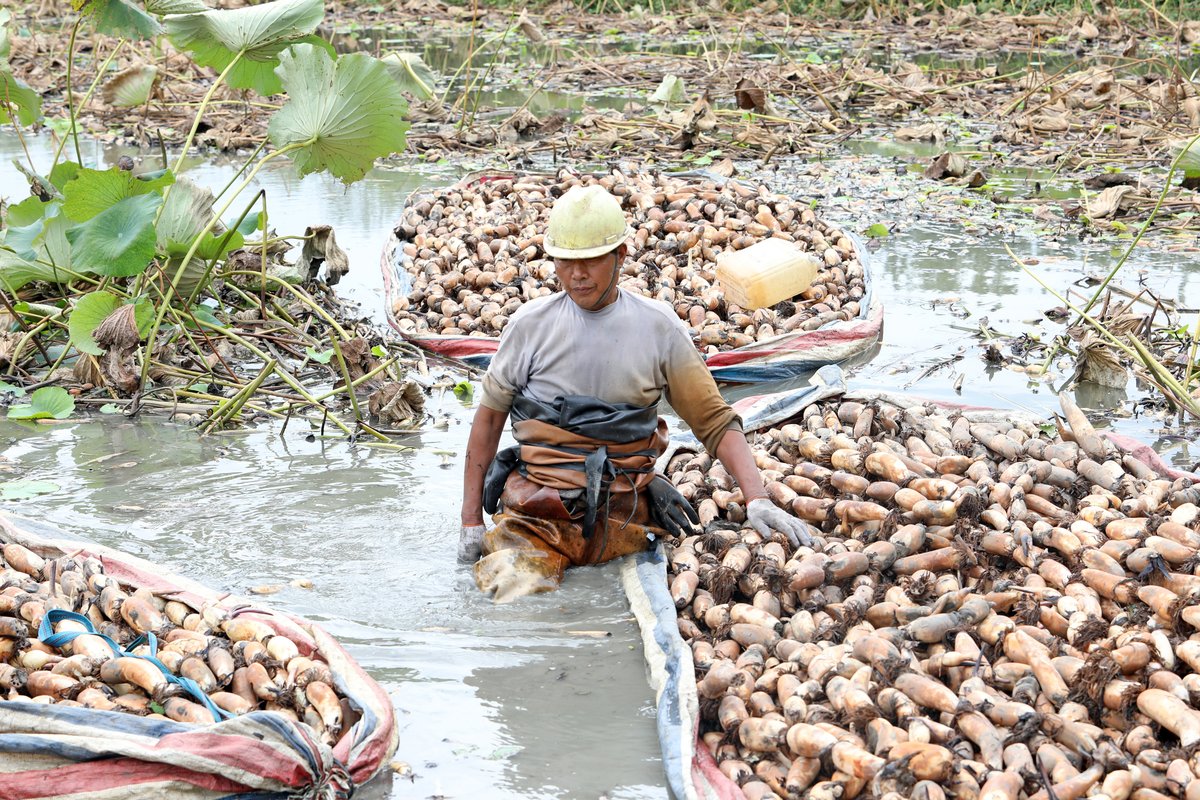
(470, 543)
(764, 516)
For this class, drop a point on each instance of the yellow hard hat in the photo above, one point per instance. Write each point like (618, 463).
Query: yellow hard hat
(585, 222)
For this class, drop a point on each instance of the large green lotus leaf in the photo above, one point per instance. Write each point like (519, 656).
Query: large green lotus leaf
(14, 94)
(118, 241)
(48, 401)
(345, 113)
(131, 87)
(22, 239)
(161, 8)
(190, 281)
(93, 191)
(64, 171)
(53, 246)
(37, 232)
(259, 33)
(26, 212)
(119, 18)
(90, 310)
(16, 272)
(412, 74)
(186, 211)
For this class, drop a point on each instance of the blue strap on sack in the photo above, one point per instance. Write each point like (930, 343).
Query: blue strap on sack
(47, 635)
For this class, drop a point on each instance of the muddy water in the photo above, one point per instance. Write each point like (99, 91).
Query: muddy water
(542, 698)
(545, 697)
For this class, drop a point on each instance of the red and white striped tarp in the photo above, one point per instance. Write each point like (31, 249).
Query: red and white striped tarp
(778, 358)
(70, 753)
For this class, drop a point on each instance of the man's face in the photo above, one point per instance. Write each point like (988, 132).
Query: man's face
(586, 280)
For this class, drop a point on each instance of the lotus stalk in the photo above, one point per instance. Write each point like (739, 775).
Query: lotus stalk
(337, 351)
(234, 404)
(187, 143)
(170, 288)
(1160, 374)
(71, 90)
(100, 72)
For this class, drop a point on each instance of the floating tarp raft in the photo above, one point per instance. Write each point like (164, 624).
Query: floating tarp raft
(462, 260)
(984, 596)
(122, 680)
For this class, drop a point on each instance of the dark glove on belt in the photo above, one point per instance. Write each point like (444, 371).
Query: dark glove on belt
(671, 509)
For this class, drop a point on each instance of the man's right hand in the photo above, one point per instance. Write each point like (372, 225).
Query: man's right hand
(470, 543)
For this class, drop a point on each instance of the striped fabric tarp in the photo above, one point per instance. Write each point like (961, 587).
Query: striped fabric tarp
(70, 753)
(692, 773)
(774, 359)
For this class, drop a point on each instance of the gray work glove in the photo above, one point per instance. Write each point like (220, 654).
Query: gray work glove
(764, 516)
(470, 543)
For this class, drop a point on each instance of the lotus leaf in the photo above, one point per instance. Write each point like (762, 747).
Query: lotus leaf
(49, 401)
(204, 316)
(195, 276)
(63, 172)
(322, 357)
(161, 8)
(37, 232)
(344, 114)
(22, 239)
(27, 102)
(255, 35)
(119, 18)
(118, 241)
(26, 212)
(93, 191)
(53, 246)
(186, 211)
(669, 91)
(251, 223)
(16, 272)
(1188, 155)
(14, 93)
(412, 74)
(90, 310)
(22, 489)
(131, 87)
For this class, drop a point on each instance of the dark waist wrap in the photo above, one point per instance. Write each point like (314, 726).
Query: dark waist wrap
(580, 443)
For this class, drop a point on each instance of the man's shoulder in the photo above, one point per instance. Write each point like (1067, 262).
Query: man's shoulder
(657, 310)
(537, 307)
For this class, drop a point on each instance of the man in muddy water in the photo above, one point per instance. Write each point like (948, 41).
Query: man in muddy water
(581, 373)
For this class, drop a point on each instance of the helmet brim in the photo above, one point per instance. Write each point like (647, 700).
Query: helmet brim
(554, 251)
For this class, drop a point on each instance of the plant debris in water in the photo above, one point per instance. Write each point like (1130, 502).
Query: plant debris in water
(139, 289)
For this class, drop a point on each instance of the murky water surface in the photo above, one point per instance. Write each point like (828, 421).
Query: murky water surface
(544, 698)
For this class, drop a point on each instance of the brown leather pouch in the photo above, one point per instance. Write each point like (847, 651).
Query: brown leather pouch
(526, 497)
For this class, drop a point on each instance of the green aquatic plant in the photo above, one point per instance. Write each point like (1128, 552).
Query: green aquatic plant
(102, 250)
(411, 74)
(17, 101)
(48, 402)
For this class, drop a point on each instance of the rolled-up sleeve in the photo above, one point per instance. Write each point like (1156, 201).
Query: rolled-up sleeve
(509, 370)
(693, 394)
